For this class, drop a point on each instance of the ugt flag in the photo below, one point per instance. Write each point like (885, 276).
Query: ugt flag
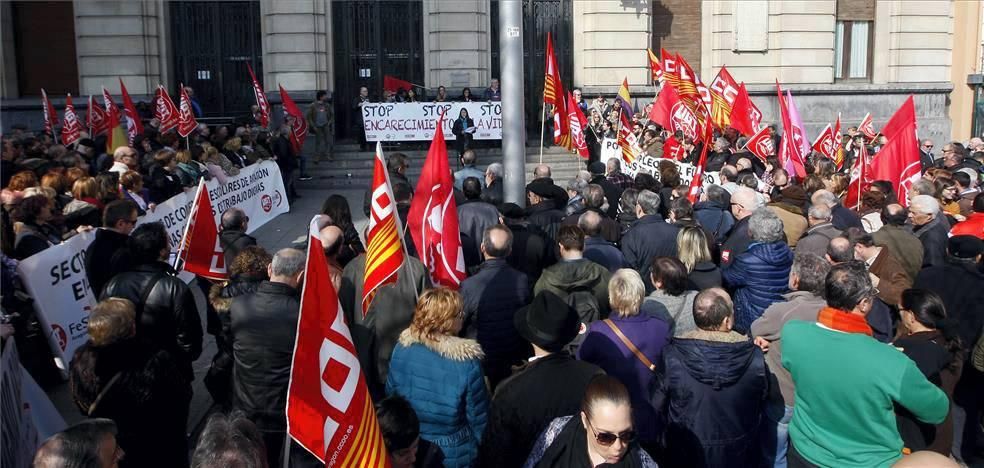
(329, 411)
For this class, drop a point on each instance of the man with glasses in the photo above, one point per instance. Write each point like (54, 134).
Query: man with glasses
(744, 202)
(106, 255)
(847, 383)
(926, 158)
(714, 389)
(955, 158)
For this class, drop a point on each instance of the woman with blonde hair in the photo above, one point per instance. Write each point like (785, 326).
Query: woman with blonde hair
(132, 187)
(626, 346)
(189, 170)
(117, 376)
(85, 192)
(440, 375)
(695, 253)
(213, 157)
(233, 149)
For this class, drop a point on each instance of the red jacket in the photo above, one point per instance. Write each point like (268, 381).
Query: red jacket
(973, 226)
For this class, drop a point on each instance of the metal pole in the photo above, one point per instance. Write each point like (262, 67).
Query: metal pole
(513, 118)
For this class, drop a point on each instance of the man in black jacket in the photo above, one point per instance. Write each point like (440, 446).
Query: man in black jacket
(545, 202)
(264, 326)
(930, 228)
(550, 385)
(612, 192)
(650, 236)
(744, 202)
(474, 217)
(233, 237)
(531, 252)
(107, 254)
(167, 316)
(594, 200)
(490, 299)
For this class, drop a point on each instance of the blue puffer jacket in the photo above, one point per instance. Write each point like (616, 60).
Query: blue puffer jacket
(758, 278)
(442, 379)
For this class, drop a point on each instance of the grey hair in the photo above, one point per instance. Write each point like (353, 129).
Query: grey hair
(821, 212)
(765, 226)
(75, 447)
(825, 197)
(722, 141)
(577, 185)
(923, 187)
(229, 440)
(748, 198)
(614, 164)
(925, 204)
(496, 170)
(594, 196)
(584, 175)
(811, 269)
(649, 202)
(287, 262)
(233, 218)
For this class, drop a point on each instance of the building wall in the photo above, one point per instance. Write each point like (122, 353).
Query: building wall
(119, 39)
(296, 45)
(967, 55)
(456, 44)
(610, 40)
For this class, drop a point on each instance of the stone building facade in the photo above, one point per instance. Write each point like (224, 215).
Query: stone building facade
(846, 56)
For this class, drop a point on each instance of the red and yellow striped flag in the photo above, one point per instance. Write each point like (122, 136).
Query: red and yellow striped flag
(384, 252)
(553, 93)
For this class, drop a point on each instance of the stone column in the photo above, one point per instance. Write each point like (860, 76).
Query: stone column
(456, 44)
(296, 45)
(118, 39)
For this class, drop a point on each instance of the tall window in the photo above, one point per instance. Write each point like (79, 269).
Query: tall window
(852, 50)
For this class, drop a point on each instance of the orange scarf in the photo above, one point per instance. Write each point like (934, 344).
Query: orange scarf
(840, 320)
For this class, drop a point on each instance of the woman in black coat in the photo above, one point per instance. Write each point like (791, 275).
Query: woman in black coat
(164, 180)
(463, 130)
(337, 208)
(117, 376)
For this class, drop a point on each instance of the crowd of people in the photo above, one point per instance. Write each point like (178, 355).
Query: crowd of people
(606, 321)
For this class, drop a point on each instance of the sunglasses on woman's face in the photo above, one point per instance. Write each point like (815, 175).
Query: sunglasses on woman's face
(607, 438)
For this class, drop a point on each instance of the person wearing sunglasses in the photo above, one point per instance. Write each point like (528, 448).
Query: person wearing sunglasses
(714, 386)
(602, 434)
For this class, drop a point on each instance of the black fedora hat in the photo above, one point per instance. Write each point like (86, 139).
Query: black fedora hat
(548, 322)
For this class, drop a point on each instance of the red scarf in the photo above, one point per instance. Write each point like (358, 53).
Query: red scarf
(839, 320)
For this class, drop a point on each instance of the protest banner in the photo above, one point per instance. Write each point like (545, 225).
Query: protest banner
(27, 416)
(56, 277)
(416, 121)
(650, 165)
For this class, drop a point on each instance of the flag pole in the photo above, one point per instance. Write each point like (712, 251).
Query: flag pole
(184, 235)
(543, 129)
(286, 450)
(403, 231)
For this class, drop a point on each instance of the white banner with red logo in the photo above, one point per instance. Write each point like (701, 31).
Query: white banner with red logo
(650, 165)
(56, 277)
(416, 121)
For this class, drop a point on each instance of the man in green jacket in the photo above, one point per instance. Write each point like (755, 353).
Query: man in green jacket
(847, 383)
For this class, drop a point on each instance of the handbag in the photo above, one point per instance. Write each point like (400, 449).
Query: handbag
(632, 347)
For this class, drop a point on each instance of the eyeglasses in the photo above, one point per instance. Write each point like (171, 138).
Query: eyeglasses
(607, 438)
(928, 146)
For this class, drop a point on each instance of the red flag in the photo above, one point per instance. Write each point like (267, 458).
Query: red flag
(50, 116)
(201, 252)
(760, 144)
(698, 181)
(671, 71)
(329, 411)
(867, 127)
(95, 118)
(789, 152)
(116, 135)
(261, 99)
(898, 160)
(71, 129)
(433, 217)
(838, 144)
(186, 115)
(165, 111)
(901, 119)
(692, 90)
(824, 144)
(724, 93)
(134, 126)
(298, 124)
(392, 83)
(655, 69)
(553, 93)
(578, 123)
(673, 114)
(672, 149)
(745, 117)
(627, 140)
(860, 179)
(384, 246)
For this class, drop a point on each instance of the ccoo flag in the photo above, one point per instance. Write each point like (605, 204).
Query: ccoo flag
(433, 217)
(329, 411)
(553, 93)
(384, 246)
(71, 128)
(201, 252)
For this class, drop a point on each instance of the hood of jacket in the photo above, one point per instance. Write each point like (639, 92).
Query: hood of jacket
(229, 237)
(717, 359)
(569, 275)
(450, 347)
(772, 253)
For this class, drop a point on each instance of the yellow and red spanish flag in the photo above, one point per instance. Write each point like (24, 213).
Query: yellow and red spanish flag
(115, 133)
(625, 138)
(553, 93)
(329, 411)
(384, 249)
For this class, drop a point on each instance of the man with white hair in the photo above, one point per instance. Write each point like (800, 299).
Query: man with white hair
(744, 202)
(124, 158)
(615, 175)
(842, 217)
(720, 156)
(492, 193)
(924, 213)
(821, 231)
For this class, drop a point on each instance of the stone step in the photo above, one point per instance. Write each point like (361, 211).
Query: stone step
(324, 178)
(364, 161)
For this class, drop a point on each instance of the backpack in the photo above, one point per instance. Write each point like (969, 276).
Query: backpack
(582, 300)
